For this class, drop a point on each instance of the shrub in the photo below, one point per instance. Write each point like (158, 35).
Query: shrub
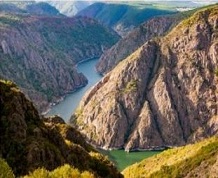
(65, 171)
(5, 170)
(216, 72)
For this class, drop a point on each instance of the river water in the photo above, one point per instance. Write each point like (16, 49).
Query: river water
(66, 107)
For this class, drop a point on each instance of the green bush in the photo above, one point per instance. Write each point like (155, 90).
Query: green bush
(216, 72)
(130, 86)
(65, 171)
(42, 173)
(5, 170)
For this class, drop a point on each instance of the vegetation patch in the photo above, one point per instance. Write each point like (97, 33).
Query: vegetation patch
(130, 86)
(65, 171)
(176, 162)
(216, 72)
(5, 170)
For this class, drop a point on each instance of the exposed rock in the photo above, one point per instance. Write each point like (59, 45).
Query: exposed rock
(40, 53)
(136, 38)
(162, 95)
(154, 27)
(28, 143)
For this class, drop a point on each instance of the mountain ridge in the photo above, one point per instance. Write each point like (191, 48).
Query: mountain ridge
(162, 95)
(70, 8)
(152, 28)
(28, 7)
(136, 38)
(40, 53)
(30, 141)
(122, 17)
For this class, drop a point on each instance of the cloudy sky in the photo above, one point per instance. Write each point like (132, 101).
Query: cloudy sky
(198, 1)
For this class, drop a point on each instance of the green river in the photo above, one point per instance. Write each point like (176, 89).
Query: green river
(123, 159)
(66, 107)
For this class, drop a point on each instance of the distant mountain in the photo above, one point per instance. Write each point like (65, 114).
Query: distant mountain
(10, 7)
(40, 53)
(196, 160)
(29, 7)
(164, 94)
(30, 142)
(70, 8)
(41, 8)
(205, 2)
(122, 17)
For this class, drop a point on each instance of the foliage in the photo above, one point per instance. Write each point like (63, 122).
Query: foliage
(65, 171)
(9, 20)
(126, 14)
(101, 164)
(52, 45)
(26, 139)
(176, 162)
(8, 85)
(216, 72)
(200, 14)
(130, 86)
(5, 170)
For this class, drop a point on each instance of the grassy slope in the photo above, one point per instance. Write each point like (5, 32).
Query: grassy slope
(177, 162)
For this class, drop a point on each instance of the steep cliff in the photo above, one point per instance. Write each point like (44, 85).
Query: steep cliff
(155, 27)
(197, 160)
(164, 94)
(123, 16)
(28, 142)
(39, 53)
(136, 38)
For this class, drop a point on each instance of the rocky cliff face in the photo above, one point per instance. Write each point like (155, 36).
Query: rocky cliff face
(40, 53)
(164, 94)
(136, 38)
(28, 142)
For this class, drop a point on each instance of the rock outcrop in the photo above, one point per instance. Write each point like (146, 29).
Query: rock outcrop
(39, 53)
(155, 27)
(164, 94)
(136, 38)
(28, 142)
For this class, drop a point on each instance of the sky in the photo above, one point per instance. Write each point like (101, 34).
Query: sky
(197, 1)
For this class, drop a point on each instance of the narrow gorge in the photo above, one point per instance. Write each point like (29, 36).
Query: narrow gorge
(162, 95)
(39, 53)
(153, 111)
